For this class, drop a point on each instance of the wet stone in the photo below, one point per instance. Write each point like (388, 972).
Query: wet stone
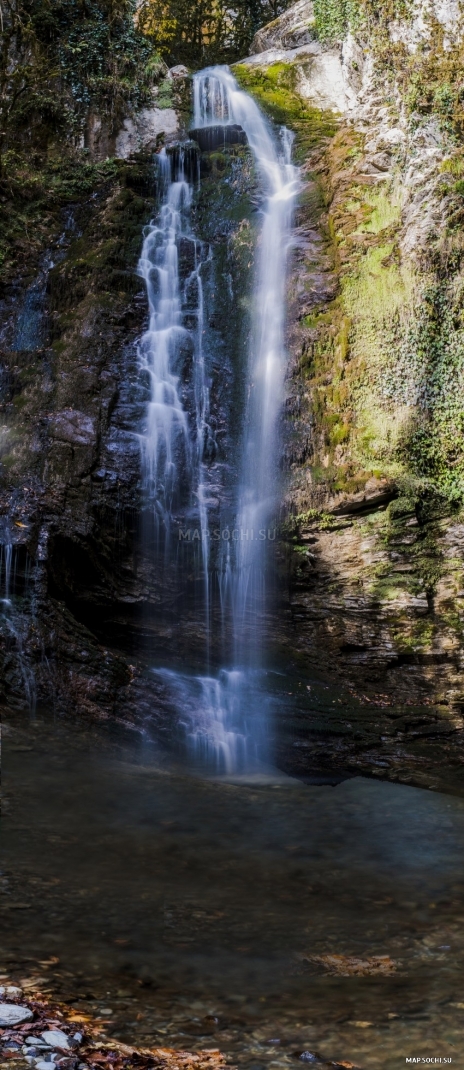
(13, 1014)
(210, 138)
(56, 1038)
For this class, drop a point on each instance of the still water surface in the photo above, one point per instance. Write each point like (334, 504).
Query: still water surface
(192, 912)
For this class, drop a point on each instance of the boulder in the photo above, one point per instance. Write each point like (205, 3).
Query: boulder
(142, 132)
(179, 71)
(294, 28)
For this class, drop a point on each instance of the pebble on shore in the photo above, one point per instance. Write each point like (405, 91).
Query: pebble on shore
(40, 1035)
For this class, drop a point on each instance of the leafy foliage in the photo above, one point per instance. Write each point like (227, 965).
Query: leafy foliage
(435, 444)
(207, 31)
(103, 57)
(335, 17)
(59, 59)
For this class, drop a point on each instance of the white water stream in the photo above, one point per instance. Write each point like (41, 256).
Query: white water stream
(172, 450)
(13, 623)
(223, 716)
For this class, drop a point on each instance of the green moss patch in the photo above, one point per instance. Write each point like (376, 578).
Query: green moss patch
(274, 89)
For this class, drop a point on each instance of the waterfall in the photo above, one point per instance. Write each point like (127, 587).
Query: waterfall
(168, 454)
(14, 622)
(217, 99)
(223, 717)
(166, 441)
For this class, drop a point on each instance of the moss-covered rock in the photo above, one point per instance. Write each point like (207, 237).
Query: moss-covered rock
(275, 90)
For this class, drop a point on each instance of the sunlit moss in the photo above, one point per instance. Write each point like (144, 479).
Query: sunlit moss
(385, 211)
(274, 89)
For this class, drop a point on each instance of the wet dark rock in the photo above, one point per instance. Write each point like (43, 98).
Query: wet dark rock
(91, 599)
(184, 159)
(211, 138)
(74, 427)
(187, 252)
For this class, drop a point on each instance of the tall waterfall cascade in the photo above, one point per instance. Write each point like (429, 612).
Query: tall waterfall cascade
(223, 716)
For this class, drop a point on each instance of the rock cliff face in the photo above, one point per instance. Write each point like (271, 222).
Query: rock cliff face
(70, 465)
(372, 528)
(84, 597)
(373, 442)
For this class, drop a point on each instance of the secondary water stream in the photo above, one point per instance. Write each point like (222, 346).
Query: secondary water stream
(224, 715)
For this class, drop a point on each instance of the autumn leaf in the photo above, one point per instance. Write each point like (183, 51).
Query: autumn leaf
(351, 965)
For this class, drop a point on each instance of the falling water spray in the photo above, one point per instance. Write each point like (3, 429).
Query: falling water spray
(223, 716)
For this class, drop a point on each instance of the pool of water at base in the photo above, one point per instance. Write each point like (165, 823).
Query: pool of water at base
(202, 913)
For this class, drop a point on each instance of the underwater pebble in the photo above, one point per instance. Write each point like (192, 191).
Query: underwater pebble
(11, 1014)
